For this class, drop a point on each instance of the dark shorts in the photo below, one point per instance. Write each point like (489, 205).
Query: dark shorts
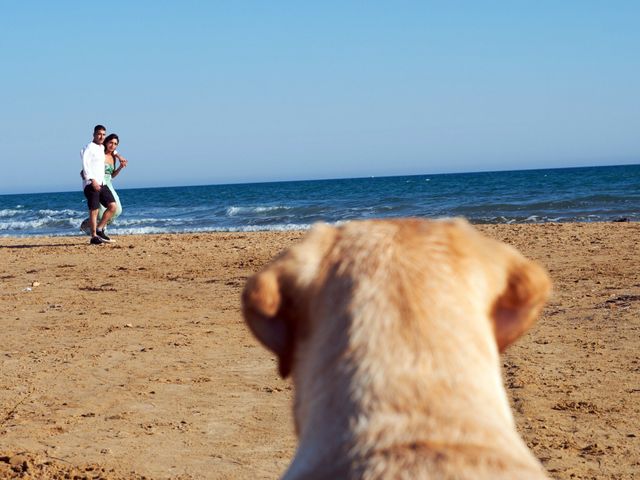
(94, 199)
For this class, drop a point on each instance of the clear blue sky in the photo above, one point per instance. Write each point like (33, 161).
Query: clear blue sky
(205, 92)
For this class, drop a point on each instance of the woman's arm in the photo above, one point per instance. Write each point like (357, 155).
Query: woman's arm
(123, 163)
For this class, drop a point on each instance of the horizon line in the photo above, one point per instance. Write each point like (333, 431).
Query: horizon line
(341, 178)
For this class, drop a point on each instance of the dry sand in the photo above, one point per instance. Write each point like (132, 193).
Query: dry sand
(131, 360)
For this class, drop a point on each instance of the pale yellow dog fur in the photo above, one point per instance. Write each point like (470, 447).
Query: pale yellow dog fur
(391, 330)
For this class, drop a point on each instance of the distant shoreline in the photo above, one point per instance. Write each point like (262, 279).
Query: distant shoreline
(302, 230)
(596, 194)
(299, 230)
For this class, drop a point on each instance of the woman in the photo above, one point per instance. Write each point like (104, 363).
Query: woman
(110, 171)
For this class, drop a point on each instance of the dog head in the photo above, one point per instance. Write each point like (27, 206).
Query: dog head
(401, 268)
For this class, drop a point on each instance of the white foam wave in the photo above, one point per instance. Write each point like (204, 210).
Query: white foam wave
(10, 213)
(38, 223)
(139, 230)
(248, 228)
(65, 211)
(233, 211)
(23, 225)
(268, 228)
(122, 222)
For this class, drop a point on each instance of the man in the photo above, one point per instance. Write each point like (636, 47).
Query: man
(94, 190)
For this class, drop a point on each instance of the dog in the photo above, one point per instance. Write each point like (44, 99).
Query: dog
(391, 331)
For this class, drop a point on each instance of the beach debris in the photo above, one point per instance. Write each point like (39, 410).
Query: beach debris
(17, 462)
(35, 284)
(128, 325)
(27, 289)
(622, 301)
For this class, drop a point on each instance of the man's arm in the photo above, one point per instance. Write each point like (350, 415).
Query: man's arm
(86, 168)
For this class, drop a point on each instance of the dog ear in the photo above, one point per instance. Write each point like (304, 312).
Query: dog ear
(262, 309)
(517, 307)
(274, 301)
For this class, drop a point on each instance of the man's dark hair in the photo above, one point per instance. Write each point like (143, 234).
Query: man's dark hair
(99, 127)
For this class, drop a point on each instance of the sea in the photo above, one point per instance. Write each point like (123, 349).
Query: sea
(589, 194)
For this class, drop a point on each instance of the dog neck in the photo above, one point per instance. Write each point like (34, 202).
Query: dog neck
(378, 402)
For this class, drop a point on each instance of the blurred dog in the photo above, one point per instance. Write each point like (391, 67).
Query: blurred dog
(392, 332)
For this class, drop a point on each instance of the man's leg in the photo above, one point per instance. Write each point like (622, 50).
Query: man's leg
(93, 218)
(93, 202)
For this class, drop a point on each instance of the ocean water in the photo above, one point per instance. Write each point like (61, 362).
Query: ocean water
(590, 194)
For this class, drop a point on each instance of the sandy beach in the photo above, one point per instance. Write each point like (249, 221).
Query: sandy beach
(132, 360)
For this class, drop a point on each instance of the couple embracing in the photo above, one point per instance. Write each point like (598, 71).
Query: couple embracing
(98, 168)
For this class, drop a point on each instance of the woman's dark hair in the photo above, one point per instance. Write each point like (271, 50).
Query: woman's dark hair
(110, 137)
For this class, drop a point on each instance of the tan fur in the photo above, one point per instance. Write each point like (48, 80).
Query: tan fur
(391, 331)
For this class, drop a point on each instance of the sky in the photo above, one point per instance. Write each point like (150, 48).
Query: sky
(212, 92)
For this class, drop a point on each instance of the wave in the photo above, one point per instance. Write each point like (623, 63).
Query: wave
(10, 213)
(234, 211)
(40, 223)
(585, 218)
(212, 229)
(171, 222)
(64, 211)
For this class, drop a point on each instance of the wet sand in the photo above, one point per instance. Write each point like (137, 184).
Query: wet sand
(131, 360)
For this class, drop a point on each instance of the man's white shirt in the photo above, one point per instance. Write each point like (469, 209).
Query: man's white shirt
(93, 163)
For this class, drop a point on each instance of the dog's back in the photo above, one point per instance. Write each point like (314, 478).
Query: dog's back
(391, 330)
